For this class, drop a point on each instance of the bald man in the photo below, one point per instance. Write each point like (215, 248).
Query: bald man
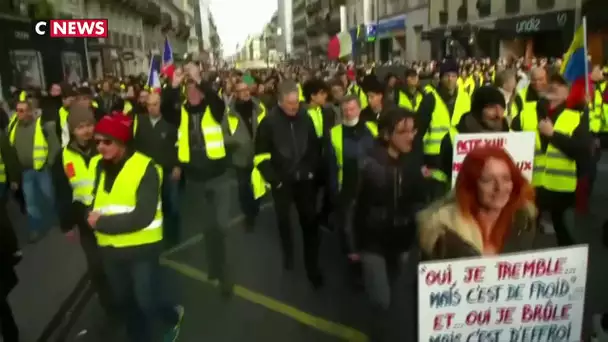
(156, 138)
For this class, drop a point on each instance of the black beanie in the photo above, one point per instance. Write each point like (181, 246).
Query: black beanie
(449, 65)
(486, 96)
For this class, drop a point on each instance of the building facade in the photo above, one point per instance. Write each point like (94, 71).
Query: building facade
(299, 40)
(322, 23)
(506, 28)
(385, 30)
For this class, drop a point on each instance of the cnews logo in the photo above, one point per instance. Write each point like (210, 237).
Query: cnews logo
(72, 28)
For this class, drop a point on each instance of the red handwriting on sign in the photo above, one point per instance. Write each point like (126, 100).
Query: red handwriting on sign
(522, 165)
(466, 146)
(505, 315)
(545, 313)
(443, 321)
(530, 269)
(441, 277)
(474, 274)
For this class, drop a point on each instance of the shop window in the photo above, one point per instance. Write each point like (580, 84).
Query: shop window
(73, 72)
(27, 65)
(545, 4)
(512, 6)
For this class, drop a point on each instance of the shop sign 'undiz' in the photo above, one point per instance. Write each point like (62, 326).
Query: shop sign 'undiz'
(529, 25)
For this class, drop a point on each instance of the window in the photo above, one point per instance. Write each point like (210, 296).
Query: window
(545, 4)
(484, 8)
(512, 6)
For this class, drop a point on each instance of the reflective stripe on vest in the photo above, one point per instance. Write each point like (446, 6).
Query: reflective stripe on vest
(79, 176)
(127, 108)
(316, 114)
(212, 135)
(122, 199)
(441, 123)
(404, 101)
(337, 141)
(553, 170)
(41, 147)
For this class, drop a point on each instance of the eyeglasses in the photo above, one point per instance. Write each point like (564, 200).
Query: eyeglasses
(105, 142)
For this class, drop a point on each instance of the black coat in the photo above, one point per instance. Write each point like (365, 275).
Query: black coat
(8, 248)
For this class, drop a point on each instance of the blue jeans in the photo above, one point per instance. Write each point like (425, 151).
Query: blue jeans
(136, 285)
(39, 200)
(171, 215)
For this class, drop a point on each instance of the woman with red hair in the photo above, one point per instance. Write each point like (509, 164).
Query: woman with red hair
(491, 210)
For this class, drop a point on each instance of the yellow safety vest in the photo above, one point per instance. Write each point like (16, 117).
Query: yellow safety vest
(470, 85)
(212, 135)
(441, 122)
(553, 170)
(301, 93)
(354, 89)
(598, 116)
(316, 114)
(41, 147)
(122, 199)
(63, 117)
(2, 170)
(79, 175)
(258, 183)
(233, 120)
(127, 108)
(527, 105)
(337, 141)
(405, 103)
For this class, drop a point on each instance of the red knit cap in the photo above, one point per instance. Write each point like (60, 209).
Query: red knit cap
(116, 126)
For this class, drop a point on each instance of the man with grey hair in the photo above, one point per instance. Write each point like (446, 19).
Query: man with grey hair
(287, 155)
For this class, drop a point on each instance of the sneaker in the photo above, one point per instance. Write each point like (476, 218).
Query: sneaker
(173, 333)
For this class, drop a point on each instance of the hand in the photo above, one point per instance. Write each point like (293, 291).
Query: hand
(194, 72)
(176, 173)
(178, 78)
(72, 235)
(546, 127)
(92, 218)
(354, 257)
(426, 172)
(14, 186)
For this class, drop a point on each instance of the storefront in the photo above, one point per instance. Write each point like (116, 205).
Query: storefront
(390, 40)
(27, 59)
(548, 34)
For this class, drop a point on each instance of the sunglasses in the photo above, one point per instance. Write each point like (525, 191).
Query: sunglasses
(105, 142)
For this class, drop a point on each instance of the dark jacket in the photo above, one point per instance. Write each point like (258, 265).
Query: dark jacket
(71, 214)
(157, 142)
(8, 248)
(116, 103)
(200, 166)
(469, 123)
(444, 233)
(9, 158)
(389, 194)
(293, 144)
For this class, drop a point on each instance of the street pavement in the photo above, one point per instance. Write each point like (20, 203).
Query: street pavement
(271, 304)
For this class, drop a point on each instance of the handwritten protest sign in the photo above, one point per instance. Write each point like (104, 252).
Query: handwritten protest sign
(520, 146)
(526, 297)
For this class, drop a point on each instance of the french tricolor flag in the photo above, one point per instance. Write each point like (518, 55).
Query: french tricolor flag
(168, 68)
(153, 83)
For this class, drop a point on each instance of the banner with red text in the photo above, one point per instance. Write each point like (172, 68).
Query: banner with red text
(534, 296)
(520, 146)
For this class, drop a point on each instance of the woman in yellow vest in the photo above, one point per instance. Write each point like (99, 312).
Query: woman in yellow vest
(126, 217)
(73, 183)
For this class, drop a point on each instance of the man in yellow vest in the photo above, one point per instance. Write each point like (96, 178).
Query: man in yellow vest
(202, 153)
(409, 96)
(73, 184)
(562, 153)
(528, 97)
(240, 126)
(126, 217)
(348, 144)
(36, 145)
(440, 110)
(67, 98)
(287, 155)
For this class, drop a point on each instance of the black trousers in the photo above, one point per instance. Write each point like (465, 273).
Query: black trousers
(8, 327)
(556, 204)
(303, 195)
(95, 269)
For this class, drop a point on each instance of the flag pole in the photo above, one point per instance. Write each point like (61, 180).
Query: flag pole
(587, 90)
